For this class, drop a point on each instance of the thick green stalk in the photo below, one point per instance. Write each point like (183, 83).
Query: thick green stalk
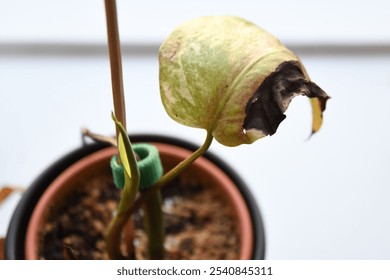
(154, 225)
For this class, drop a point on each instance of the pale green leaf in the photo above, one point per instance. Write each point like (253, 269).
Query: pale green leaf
(211, 69)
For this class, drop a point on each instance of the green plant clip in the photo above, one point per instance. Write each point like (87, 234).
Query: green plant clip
(149, 165)
(117, 172)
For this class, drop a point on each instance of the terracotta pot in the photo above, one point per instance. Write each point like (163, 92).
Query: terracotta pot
(96, 162)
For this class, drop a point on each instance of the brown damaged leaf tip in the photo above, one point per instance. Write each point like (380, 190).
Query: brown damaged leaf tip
(265, 110)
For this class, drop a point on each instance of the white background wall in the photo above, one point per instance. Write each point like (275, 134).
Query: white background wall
(326, 198)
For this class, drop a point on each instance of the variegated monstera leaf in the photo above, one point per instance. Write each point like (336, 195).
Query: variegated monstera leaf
(232, 78)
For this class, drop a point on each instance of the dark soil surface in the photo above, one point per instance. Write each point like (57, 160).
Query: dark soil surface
(199, 224)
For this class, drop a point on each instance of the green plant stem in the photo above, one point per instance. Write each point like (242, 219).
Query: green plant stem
(114, 233)
(113, 237)
(154, 226)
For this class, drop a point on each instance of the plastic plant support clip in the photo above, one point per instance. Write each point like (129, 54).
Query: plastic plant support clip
(149, 165)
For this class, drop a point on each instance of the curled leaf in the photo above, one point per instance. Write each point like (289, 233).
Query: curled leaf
(232, 78)
(131, 171)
